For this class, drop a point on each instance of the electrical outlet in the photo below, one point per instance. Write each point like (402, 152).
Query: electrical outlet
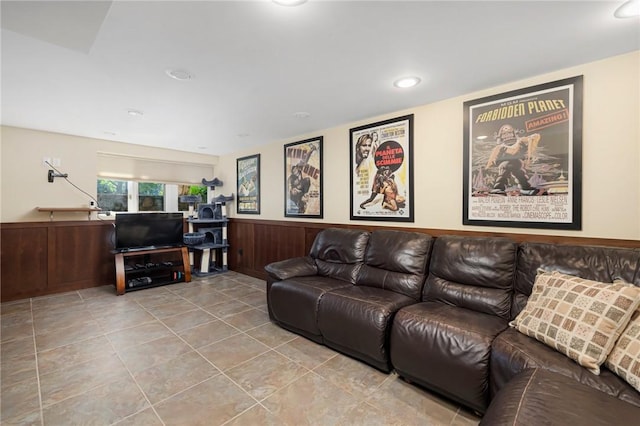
(46, 160)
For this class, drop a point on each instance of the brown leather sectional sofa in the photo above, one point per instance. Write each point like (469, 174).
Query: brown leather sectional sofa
(437, 311)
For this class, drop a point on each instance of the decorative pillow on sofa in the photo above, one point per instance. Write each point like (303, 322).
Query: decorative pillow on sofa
(579, 318)
(624, 359)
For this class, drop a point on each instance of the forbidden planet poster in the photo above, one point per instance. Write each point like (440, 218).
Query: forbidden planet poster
(522, 157)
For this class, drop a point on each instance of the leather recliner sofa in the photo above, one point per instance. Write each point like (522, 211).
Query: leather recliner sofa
(438, 312)
(296, 286)
(346, 295)
(444, 342)
(513, 352)
(457, 341)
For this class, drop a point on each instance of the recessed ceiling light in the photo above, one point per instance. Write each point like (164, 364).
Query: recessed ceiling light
(629, 9)
(181, 75)
(289, 2)
(135, 113)
(301, 114)
(406, 82)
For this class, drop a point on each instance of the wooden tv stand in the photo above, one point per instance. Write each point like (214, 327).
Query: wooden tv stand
(154, 266)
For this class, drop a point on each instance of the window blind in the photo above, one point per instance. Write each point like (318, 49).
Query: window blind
(123, 167)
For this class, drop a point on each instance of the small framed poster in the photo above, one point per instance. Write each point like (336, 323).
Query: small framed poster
(303, 178)
(248, 175)
(381, 170)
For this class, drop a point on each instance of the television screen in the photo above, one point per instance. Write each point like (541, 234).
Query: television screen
(148, 230)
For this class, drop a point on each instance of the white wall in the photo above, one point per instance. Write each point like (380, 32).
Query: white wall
(24, 184)
(610, 161)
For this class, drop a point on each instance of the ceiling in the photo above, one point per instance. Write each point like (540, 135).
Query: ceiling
(261, 72)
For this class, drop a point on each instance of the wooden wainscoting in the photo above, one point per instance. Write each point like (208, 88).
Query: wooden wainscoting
(253, 244)
(40, 258)
(256, 243)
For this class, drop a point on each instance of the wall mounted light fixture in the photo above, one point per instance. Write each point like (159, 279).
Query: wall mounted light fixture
(53, 174)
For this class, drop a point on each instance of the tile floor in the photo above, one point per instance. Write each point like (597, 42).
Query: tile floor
(199, 353)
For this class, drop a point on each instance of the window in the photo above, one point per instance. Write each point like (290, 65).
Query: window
(115, 195)
(191, 190)
(150, 197)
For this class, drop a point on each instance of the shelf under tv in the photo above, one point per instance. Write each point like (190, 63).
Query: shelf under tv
(153, 284)
(180, 263)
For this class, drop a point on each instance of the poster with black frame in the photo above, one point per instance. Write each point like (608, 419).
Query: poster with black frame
(303, 178)
(381, 170)
(523, 157)
(248, 175)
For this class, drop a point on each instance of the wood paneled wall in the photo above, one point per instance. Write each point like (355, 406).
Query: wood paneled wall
(255, 243)
(40, 258)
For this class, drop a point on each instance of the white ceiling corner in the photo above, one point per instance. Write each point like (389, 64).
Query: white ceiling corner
(76, 67)
(70, 24)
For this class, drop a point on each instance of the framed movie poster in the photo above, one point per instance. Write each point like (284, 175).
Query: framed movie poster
(381, 172)
(248, 173)
(523, 157)
(303, 178)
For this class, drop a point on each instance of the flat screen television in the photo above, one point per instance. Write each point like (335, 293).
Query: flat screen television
(139, 231)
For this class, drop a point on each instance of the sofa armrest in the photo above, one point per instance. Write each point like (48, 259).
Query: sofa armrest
(542, 397)
(289, 268)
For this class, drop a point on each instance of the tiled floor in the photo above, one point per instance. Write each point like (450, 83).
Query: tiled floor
(199, 353)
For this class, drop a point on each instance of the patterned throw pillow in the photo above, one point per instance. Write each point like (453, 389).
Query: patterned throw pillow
(624, 359)
(579, 318)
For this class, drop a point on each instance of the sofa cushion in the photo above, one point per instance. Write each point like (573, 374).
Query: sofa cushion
(356, 320)
(579, 318)
(513, 352)
(396, 261)
(472, 272)
(446, 349)
(339, 253)
(624, 359)
(540, 397)
(294, 303)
